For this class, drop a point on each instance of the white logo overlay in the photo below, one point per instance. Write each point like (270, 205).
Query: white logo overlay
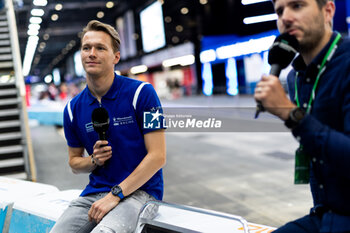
(157, 120)
(152, 120)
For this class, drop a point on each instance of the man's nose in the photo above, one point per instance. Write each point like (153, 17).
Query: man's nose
(287, 16)
(92, 52)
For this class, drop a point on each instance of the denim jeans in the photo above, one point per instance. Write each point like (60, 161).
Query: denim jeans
(123, 218)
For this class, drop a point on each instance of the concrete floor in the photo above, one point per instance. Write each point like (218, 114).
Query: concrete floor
(243, 173)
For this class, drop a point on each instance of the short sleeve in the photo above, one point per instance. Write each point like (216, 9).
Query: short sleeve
(149, 110)
(69, 130)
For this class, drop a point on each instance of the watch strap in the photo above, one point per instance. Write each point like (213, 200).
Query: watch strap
(120, 195)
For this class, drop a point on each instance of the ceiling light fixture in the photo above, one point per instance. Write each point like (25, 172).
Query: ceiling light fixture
(42, 45)
(184, 10)
(260, 18)
(183, 61)
(54, 17)
(138, 69)
(40, 2)
(207, 56)
(58, 7)
(46, 36)
(34, 26)
(175, 39)
(48, 78)
(36, 20)
(167, 19)
(248, 2)
(100, 14)
(29, 54)
(37, 12)
(32, 32)
(110, 4)
(245, 48)
(179, 28)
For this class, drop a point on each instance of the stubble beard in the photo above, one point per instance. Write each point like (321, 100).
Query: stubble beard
(313, 36)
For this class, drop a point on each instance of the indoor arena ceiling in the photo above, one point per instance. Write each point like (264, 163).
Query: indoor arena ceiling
(64, 19)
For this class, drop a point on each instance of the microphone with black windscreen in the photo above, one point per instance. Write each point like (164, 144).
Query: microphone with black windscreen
(100, 122)
(281, 54)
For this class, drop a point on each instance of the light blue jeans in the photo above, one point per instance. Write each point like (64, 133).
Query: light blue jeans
(123, 218)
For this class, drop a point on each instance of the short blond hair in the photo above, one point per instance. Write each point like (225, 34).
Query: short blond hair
(95, 25)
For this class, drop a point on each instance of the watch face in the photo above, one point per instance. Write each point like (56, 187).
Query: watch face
(298, 114)
(115, 190)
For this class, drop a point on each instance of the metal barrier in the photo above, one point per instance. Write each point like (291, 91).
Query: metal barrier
(157, 216)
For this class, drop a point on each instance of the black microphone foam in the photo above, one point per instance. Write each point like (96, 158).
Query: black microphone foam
(100, 122)
(282, 52)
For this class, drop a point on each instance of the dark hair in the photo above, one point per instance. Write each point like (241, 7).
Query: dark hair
(320, 3)
(95, 25)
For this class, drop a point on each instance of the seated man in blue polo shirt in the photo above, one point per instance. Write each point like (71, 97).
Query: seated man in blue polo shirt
(125, 170)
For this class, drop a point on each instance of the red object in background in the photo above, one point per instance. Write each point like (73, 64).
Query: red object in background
(150, 79)
(188, 80)
(28, 95)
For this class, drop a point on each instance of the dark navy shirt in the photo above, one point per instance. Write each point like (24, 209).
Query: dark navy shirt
(325, 133)
(126, 104)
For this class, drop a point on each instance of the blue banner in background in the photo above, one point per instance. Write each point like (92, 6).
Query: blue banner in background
(348, 15)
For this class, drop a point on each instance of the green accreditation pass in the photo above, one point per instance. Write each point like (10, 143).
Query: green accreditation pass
(302, 160)
(302, 166)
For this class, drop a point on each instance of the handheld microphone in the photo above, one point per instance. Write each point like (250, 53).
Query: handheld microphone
(100, 122)
(281, 54)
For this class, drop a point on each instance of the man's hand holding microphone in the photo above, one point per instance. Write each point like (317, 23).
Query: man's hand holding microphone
(269, 93)
(102, 152)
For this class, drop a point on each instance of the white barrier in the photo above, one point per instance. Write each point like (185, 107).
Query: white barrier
(39, 213)
(12, 190)
(36, 206)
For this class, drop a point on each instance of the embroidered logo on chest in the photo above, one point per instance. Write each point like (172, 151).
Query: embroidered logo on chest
(89, 127)
(117, 121)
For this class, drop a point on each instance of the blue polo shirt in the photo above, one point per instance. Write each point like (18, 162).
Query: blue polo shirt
(325, 133)
(126, 101)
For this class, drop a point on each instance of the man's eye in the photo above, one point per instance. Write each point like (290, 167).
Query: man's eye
(279, 12)
(297, 6)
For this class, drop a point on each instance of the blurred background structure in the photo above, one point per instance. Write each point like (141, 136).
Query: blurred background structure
(196, 53)
(201, 46)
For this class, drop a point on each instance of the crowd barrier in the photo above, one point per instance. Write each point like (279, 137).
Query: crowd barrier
(33, 207)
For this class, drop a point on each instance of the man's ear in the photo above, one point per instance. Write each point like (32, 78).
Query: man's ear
(116, 57)
(329, 11)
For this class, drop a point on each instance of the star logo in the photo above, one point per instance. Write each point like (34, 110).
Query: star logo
(156, 116)
(152, 120)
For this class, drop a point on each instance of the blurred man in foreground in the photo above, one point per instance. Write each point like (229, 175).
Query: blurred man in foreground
(319, 113)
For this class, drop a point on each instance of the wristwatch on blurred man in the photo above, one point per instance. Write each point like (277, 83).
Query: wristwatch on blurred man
(295, 117)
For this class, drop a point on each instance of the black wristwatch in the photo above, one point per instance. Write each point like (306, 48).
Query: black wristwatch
(117, 191)
(294, 118)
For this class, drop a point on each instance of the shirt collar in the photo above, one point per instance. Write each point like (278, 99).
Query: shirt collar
(311, 70)
(111, 93)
